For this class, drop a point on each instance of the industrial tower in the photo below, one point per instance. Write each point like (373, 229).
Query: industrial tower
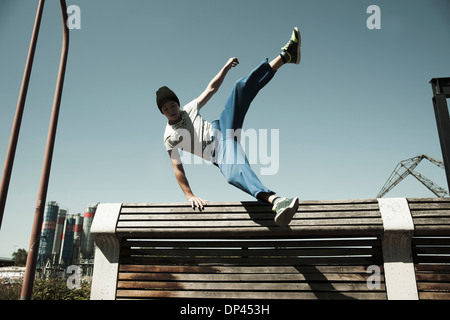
(405, 168)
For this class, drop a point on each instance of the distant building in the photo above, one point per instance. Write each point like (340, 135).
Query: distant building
(65, 240)
(11, 274)
(47, 234)
(5, 262)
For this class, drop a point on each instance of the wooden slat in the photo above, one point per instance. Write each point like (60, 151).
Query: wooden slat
(434, 295)
(325, 269)
(432, 250)
(242, 223)
(440, 268)
(432, 259)
(259, 204)
(244, 286)
(432, 230)
(370, 208)
(285, 232)
(245, 215)
(248, 295)
(266, 243)
(324, 211)
(434, 286)
(244, 277)
(430, 213)
(432, 221)
(433, 277)
(251, 262)
(272, 253)
(441, 241)
(432, 205)
(414, 204)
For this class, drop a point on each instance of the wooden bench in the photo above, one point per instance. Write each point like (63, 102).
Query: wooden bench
(360, 249)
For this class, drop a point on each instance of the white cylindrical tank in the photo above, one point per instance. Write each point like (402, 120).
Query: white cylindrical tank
(87, 242)
(58, 235)
(77, 235)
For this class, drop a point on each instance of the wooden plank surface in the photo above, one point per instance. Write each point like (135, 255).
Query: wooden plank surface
(160, 261)
(256, 268)
(171, 220)
(431, 255)
(430, 216)
(274, 282)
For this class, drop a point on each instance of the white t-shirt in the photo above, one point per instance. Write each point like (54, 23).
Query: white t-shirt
(191, 133)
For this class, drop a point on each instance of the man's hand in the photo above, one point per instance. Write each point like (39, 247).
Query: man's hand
(231, 63)
(197, 202)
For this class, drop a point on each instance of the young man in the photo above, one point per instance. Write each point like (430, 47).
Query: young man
(216, 141)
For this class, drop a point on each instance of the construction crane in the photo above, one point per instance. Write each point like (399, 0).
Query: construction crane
(405, 168)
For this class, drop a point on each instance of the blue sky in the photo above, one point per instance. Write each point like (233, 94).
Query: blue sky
(359, 102)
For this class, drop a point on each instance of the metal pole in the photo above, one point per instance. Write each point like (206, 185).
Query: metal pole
(19, 112)
(42, 195)
(441, 91)
(443, 126)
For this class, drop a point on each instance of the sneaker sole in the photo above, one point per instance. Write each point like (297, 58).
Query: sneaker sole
(284, 218)
(297, 32)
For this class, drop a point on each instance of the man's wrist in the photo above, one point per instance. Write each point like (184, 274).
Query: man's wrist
(188, 197)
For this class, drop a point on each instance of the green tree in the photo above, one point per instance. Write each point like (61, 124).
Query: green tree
(56, 289)
(20, 257)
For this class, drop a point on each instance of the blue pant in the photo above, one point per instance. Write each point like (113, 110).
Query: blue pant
(228, 154)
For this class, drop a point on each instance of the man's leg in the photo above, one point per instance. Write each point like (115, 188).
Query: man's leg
(267, 197)
(242, 94)
(234, 166)
(246, 89)
(232, 117)
(276, 63)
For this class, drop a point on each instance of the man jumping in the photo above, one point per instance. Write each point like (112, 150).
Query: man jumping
(216, 141)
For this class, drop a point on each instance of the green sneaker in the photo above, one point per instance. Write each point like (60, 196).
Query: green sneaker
(285, 209)
(291, 51)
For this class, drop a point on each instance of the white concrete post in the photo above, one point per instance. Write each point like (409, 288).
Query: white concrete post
(107, 248)
(399, 271)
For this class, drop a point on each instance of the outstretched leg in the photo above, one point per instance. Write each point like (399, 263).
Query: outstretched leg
(246, 89)
(243, 93)
(232, 117)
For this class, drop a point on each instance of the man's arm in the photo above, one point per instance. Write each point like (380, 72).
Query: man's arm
(216, 82)
(180, 176)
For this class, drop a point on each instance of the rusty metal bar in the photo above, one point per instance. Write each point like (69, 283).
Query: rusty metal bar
(42, 194)
(6, 177)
